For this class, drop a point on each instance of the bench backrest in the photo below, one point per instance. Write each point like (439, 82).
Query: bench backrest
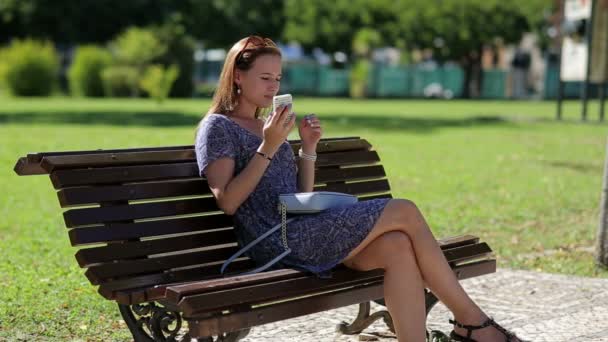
(144, 217)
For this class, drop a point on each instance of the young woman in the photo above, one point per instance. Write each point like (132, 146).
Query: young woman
(248, 162)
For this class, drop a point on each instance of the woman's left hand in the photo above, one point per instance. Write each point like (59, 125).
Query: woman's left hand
(310, 130)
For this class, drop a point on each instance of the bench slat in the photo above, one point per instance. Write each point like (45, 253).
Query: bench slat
(31, 164)
(258, 293)
(50, 163)
(95, 194)
(87, 216)
(128, 231)
(98, 274)
(129, 192)
(466, 253)
(118, 175)
(140, 173)
(347, 158)
(359, 188)
(325, 175)
(296, 308)
(158, 292)
(130, 250)
(109, 288)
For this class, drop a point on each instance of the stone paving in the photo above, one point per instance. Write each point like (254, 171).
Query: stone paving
(536, 306)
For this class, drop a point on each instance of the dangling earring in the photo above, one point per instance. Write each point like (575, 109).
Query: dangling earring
(238, 90)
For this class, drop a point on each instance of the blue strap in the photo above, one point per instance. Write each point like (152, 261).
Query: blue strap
(253, 243)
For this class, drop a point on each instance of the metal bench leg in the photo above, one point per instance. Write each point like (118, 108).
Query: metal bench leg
(150, 322)
(364, 319)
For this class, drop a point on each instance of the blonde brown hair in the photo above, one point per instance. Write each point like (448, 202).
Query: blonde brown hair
(241, 56)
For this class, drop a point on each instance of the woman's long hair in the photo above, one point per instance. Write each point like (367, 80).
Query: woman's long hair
(241, 56)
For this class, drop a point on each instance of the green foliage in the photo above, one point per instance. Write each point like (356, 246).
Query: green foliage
(452, 28)
(120, 81)
(359, 76)
(29, 68)
(157, 81)
(137, 47)
(365, 40)
(180, 51)
(85, 72)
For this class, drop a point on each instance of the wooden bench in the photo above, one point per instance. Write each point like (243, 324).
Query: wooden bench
(153, 239)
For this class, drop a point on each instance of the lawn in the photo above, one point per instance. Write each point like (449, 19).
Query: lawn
(506, 171)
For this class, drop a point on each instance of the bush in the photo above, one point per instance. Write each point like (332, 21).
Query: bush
(30, 68)
(85, 72)
(180, 51)
(137, 47)
(359, 75)
(119, 81)
(157, 81)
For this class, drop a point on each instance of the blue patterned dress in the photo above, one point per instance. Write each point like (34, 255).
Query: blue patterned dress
(318, 241)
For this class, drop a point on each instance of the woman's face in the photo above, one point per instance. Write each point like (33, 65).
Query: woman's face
(261, 82)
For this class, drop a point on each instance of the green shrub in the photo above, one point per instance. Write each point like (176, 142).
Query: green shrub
(180, 51)
(359, 75)
(137, 47)
(157, 81)
(30, 68)
(85, 72)
(119, 81)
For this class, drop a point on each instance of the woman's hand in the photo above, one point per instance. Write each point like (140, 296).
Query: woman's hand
(276, 129)
(310, 131)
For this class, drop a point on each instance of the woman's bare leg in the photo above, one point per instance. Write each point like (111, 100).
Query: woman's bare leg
(403, 285)
(404, 216)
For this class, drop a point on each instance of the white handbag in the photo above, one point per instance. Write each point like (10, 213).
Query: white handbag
(314, 202)
(295, 203)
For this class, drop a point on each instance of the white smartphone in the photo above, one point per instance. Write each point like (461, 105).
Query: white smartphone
(279, 101)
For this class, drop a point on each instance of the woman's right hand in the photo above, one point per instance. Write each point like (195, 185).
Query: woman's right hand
(276, 130)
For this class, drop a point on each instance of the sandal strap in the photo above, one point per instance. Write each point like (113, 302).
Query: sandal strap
(490, 321)
(472, 327)
(508, 335)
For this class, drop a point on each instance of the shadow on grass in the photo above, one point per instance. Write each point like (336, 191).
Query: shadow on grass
(176, 119)
(574, 166)
(103, 118)
(416, 124)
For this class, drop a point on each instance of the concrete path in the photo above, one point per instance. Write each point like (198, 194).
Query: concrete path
(537, 306)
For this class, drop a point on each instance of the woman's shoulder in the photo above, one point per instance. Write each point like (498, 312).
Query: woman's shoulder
(214, 126)
(214, 121)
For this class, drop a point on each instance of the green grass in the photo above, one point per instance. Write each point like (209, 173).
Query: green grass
(506, 171)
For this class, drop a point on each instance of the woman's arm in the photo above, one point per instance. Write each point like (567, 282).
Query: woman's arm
(230, 192)
(306, 171)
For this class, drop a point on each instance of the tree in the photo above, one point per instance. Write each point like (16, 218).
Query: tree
(331, 25)
(84, 21)
(456, 30)
(602, 232)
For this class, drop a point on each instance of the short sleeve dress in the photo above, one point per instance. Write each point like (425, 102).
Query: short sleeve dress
(318, 241)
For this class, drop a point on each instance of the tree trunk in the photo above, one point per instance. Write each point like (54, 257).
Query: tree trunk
(472, 74)
(602, 233)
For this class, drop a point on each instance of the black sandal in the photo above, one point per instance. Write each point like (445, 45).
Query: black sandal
(509, 336)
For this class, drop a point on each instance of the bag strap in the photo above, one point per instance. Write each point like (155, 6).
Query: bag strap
(283, 226)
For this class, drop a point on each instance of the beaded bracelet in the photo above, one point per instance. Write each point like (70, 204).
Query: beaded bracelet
(306, 156)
